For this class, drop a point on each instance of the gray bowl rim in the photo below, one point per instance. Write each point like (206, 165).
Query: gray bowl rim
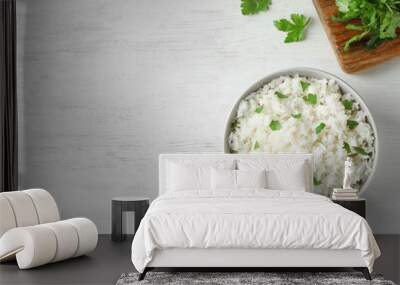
(320, 74)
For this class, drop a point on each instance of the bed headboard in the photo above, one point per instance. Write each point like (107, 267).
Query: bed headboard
(164, 158)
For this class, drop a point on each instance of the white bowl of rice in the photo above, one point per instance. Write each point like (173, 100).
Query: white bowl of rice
(304, 110)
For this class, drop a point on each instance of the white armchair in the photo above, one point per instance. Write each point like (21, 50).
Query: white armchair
(31, 230)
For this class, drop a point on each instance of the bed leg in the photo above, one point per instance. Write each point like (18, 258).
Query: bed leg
(365, 272)
(142, 275)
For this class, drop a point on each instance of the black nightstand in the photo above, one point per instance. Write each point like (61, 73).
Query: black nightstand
(357, 206)
(139, 205)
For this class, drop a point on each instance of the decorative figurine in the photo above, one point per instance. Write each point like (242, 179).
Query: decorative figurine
(348, 171)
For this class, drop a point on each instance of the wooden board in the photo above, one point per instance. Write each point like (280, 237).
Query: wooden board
(359, 57)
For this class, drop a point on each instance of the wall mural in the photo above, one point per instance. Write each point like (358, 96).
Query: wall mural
(311, 112)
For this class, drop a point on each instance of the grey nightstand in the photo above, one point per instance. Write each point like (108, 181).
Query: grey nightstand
(139, 205)
(357, 206)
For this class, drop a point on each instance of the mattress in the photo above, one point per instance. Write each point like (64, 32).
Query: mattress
(250, 219)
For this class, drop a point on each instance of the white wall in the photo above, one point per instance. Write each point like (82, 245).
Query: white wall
(105, 86)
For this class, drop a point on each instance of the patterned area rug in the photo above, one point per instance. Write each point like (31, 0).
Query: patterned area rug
(269, 278)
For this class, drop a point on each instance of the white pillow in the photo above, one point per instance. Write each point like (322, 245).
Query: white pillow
(293, 179)
(193, 174)
(224, 179)
(291, 175)
(251, 178)
(185, 177)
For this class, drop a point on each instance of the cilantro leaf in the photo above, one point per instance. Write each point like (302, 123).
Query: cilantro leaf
(389, 25)
(296, 116)
(259, 109)
(373, 41)
(354, 39)
(376, 20)
(343, 5)
(275, 125)
(348, 104)
(281, 95)
(251, 7)
(295, 28)
(346, 147)
(320, 127)
(310, 99)
(354, 27)
(304, 85)
(316, 181)
(352, 124)
(360, 150)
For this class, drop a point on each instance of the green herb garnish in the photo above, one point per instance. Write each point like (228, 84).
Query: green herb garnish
(295, 28)
(310, 99)
(235, 124)
(296, 116)
(352, 124)
(348, 104)
(304, 85)
(256, 145)
(275, 125)
(360, 150)
(281, 95)
(354, 39)
(347, 147)
(320, 127)
(378, 20)
(259, 109)
(250, 7)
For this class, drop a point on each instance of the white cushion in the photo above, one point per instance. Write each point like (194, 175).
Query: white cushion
(27, 208)
(186, 174)
(7, 220)
(293, 179)
(45, 205)
(32, 246)
(40, 244)
(251, 178)
(291, 175)
(183, 177)
(23, 208)
(223, 179)
(87, 233)
(31, 233)
(226, 179)
(67, 239)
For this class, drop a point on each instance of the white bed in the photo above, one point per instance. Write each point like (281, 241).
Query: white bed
(248, 227)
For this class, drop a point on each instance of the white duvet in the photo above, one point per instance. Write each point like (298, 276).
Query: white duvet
(250, 219)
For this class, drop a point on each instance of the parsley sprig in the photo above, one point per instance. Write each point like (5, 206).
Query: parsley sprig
(357, 150)
(320, 127)
(280, 95)
(275, 125)
(251, 7)
(311, 99)
(378, 20)
(295, 27)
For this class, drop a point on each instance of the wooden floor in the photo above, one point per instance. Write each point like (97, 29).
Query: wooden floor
(110, 260)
